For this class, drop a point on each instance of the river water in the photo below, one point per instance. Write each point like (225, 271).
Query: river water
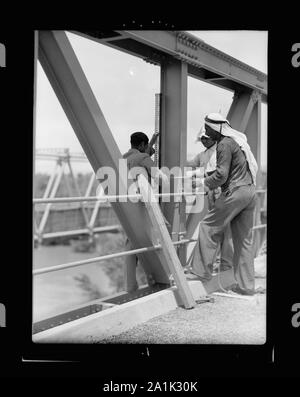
(59, 291)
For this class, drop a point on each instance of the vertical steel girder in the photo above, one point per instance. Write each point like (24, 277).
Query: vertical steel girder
(174, 135)
(157, 129)
(79, 103)
(245, 116)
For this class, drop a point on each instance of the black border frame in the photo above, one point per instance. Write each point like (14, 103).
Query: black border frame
(132, 361)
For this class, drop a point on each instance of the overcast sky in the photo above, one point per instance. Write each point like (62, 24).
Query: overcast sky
(125, 88)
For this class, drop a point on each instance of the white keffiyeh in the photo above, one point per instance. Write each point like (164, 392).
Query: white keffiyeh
(221, 125)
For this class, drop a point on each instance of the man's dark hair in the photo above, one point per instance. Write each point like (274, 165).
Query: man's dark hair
(137, 138)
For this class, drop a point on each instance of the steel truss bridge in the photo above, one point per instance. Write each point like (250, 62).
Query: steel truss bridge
(179, 55)
(63, 161)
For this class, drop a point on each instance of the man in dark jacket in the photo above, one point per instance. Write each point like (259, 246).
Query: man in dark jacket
(139, 155)
(207, 160)
(236, 175)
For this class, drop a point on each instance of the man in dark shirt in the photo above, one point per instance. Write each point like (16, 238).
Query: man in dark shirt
(207, 160)
(139, 156)
(235, 205)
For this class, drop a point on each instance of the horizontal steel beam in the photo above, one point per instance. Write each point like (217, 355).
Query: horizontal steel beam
(190, 49)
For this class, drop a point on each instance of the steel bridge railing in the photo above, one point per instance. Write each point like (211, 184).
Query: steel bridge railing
(123, 253)
(115, 197)
(108, 197)
(106, 257)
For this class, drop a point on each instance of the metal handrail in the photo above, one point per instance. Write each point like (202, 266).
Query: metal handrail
(68, 233)
(115, 255)
(106, 257)
(119, 254)
(261, 191)
(259, 226)
(114, 197)
(109, 197)
(83, 199)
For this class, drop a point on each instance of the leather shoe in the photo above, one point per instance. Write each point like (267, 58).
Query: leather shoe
(240, 291)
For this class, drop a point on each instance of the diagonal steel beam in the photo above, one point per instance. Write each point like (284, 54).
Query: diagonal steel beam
(248, 112)
(245, 116)
(253, 132)
(79, 103)
(240, 110)
(170, 258)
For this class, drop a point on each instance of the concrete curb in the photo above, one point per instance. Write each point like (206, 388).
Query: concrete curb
(120, 318)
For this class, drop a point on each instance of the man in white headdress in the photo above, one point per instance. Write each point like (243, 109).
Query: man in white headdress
(207, 160)
(236, 175)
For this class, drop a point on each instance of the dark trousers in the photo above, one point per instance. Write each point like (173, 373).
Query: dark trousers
(224, 256)
(236, 209)
(131, 263)
(225, 251)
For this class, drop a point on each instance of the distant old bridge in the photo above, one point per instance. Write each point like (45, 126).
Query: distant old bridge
(66, 220)
(162, 256)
